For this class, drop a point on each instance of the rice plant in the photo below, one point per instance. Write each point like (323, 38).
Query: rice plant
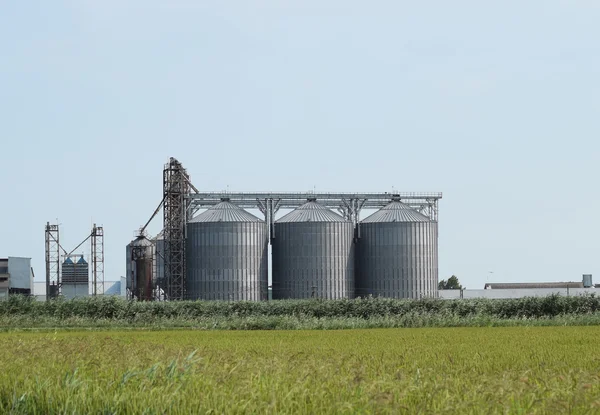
(460, 370)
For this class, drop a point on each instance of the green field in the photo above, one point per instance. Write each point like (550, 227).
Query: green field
(429, 370)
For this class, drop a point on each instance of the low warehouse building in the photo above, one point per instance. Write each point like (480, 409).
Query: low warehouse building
(16, 276)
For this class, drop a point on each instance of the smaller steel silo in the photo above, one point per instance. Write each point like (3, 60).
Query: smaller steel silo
(397, 254)
(140, 282)
(313, 254)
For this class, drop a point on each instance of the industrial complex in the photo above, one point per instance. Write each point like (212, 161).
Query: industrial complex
(212, 248)
(313, 245)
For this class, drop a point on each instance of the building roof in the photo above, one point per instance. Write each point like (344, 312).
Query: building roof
(518, 285)
(225, 212)
(396, 211)
(311, 211)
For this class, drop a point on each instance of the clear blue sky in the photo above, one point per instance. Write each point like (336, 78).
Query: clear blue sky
(496, 105)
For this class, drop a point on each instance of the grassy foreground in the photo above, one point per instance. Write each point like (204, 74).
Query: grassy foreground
(460, 370)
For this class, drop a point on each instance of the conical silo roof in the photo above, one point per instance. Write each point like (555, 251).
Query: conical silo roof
(311, 212)
(141, 241)
(225, 212)
(160, 236)
(396, 211)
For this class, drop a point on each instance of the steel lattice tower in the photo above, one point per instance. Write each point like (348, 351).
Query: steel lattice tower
(97, 259)
(175, 192)
(52, 260)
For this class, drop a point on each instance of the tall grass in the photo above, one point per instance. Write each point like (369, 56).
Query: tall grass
(24, 312)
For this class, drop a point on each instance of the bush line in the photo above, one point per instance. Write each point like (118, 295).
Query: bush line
(118, 309)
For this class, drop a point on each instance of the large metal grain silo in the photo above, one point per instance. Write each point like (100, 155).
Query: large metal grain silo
(313, 254)
(397, 254)
(227, 255)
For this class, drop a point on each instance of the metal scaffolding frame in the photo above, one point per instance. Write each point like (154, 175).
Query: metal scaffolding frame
(97, 252)
(348, 204)
(52, 259)
(176, 187)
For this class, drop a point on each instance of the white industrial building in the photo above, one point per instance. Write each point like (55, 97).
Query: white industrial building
(116, 288)
(16, 276)
(499, 290)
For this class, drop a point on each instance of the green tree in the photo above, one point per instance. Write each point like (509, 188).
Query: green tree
(451, 284)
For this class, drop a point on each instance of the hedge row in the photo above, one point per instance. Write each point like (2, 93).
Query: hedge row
(117, 308)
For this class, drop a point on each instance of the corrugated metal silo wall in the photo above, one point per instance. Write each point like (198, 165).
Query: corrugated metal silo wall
(128, 267)
(140, 273)
(313, 257)
(143, 281)
(159, 262)
(227, 261)
(398, 260)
